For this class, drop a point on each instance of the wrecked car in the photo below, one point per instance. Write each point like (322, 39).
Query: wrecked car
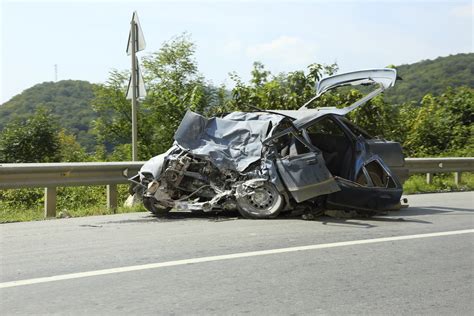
(263, 163)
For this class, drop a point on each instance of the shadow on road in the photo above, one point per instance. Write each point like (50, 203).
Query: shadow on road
(356, 222)
(181, 216)
(330, 221)
(364, 222)
(430, 210)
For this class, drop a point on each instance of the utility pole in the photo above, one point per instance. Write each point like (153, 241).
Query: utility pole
(136, 86)
(55, 72)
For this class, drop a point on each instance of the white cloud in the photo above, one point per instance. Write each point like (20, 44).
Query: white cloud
(466, 10)
(286, 50)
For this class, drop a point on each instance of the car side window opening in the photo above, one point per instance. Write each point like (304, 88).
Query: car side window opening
(356, 129)
(374, 175)
(283, 142)
(335, 145)
(290, 145)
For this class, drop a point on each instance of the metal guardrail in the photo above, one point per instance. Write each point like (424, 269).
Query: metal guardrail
(439, 165)
(30, 175)
(53, 175)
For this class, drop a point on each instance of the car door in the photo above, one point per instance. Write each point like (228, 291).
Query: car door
(304, 172)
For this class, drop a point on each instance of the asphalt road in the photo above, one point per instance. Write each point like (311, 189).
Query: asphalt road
(350, 266)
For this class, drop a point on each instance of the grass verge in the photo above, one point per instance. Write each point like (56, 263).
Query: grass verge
(27, 204)
(441, 183)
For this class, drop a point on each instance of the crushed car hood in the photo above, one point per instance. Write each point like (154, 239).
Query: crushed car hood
(232, 142)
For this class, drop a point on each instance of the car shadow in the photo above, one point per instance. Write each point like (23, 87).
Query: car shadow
(364, 222)
(332, 221)
(180, 216)
(359, 222)
(429, 210)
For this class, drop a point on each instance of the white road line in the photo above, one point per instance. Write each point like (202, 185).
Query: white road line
(225, 257)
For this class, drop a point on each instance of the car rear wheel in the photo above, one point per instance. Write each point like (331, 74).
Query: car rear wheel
(263, 201)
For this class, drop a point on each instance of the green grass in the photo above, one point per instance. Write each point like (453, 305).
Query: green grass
(25, 214)
(441, 183)
(27, 204)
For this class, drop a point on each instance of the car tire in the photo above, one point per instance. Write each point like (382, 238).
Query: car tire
(154, 207)
(259, 203)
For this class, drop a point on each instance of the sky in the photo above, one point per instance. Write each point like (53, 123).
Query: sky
(87, 39)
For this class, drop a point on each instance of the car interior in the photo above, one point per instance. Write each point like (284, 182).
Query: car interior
(335, 145)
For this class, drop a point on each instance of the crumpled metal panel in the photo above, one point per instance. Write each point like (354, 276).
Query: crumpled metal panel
(154, 166)
(233, 142)
(254, 116)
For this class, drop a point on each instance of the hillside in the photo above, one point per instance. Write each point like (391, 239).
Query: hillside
(432, 76)
(69, 100)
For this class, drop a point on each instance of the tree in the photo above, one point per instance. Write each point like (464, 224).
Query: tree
(287, 91)
(34, 139)
(68, 100)
(113, 125)
(174, 85)
(69, 148)
(431, 77)
(437, 126)
(443, 125)
(377, 118)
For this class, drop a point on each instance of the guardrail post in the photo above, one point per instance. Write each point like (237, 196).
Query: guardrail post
(429, 178)
(50, 202)
(457, 178)
(112, 196)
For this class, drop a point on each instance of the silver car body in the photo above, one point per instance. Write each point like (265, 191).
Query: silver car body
(263, 161)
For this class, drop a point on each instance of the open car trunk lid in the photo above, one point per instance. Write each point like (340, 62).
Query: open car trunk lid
(382, 78)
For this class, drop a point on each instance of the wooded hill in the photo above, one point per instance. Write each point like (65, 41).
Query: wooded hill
(431, 76)
(70, 100)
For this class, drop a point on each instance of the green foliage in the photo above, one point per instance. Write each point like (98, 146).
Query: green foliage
(113, 123)
(173, 86)
(68, 100)
(28, 198)
(174, 82)
(376, 117)
(37, 138)
(439, 125)
(441, 183)
(27, 204)
(266, 91)
(34, 139)
(70, 150)
(443, 125)
(431, 76)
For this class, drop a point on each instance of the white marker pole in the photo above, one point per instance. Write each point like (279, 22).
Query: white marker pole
(133, 30)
